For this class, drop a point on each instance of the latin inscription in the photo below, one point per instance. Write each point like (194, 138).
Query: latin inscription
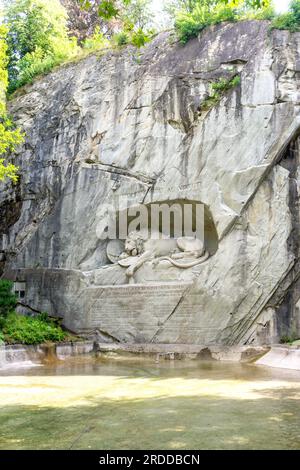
(128, 310)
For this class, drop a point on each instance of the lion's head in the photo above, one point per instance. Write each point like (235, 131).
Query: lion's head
(134, 244)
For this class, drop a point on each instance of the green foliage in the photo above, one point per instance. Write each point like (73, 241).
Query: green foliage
(8, 170)
(137, 21)
(139, 38)
(204, 14)
(135, 15)
(172, 7)
(224, 85)
(218, 90)
(30, 66)
(8, 299)
(121, 39)
(1, 338)
(3, 69)
(107, 9)
(290, 20)
(286, 339)
(16, 328)
(10, 137)
(138, 15)
(265, 13)
(31, 330)
(252, 4)
(96, 42)
(190, 21)
(37, 39)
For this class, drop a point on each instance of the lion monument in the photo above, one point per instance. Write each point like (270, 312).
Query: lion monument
(139, 249)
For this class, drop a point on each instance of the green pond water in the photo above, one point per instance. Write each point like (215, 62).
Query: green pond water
(139, 404)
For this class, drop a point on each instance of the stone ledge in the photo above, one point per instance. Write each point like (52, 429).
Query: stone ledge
(282, 357)
(19, 355)
(187, 351)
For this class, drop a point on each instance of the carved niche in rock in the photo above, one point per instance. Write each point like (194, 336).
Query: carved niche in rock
(159, 254)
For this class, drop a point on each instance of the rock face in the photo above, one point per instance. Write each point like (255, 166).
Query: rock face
(133, 123)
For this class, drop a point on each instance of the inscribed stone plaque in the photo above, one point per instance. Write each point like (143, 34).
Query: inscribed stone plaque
(135, 312)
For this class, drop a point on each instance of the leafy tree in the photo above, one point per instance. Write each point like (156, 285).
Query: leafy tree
(137, 22)
(174, 6)
(209, 12)
(37, 38)
(106, 9)
(111, 8)
(82, 22)
(204, 13)
(289, 20)
(134, 18)
(249, 3)
(10, 137)
(138, 14)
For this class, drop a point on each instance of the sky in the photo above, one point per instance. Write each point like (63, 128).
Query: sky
(281, 5)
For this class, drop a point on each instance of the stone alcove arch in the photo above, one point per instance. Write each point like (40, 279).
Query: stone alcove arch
(210, 232)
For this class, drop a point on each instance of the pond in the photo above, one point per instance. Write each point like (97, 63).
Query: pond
(90, 403)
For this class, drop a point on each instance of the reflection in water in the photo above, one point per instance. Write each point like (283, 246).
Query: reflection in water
(88, 403)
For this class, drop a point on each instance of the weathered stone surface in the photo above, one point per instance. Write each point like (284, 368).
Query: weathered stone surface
(21, 356)
(130, 123)
(185, 351)
(282, 357)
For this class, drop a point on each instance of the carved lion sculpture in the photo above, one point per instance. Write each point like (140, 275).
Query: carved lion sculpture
(139, 248)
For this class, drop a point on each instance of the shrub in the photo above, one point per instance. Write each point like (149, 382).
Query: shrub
(286, 339)
(31, 330)
(261, 14)
(37, 63)
(189, 25)
(8, 299)
(96, 42)
(290, 20)
(223, 13)
(224, 85)
(32, 65)
(139, 38)
(218, 89)
(121, 39)
(10, 137)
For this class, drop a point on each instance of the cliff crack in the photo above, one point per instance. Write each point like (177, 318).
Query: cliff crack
(160, 329)
(121, 171)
